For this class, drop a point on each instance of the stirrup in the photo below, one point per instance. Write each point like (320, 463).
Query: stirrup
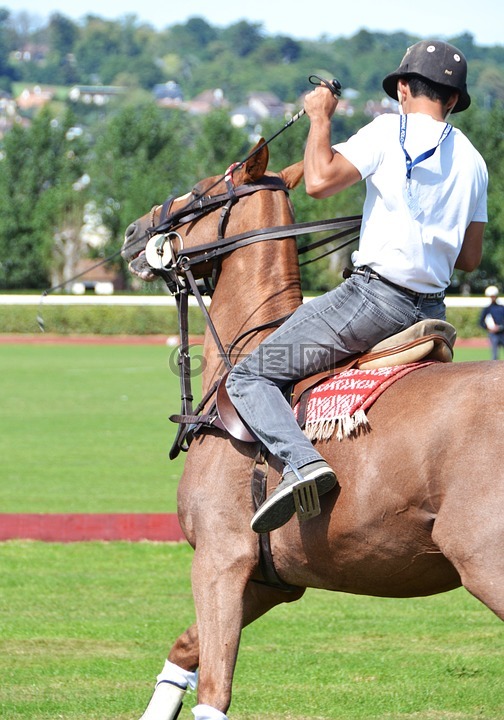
(306, 500)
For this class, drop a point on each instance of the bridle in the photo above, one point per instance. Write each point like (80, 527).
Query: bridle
(174, 263)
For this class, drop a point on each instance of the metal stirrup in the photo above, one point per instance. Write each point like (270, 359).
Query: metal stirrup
(305, 496)
(306, 500)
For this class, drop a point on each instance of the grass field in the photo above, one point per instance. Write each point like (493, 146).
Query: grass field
(84, 628)
(84, 428)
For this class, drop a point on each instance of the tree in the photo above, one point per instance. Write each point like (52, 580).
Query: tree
(7, 73)
(243, 37)
(63, 34)
(141, 158)
(217, 144)
(484, 129)
(39, 168)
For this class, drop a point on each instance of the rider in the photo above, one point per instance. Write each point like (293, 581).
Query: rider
(424, 215)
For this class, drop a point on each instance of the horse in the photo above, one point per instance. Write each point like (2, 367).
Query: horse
(419, 505)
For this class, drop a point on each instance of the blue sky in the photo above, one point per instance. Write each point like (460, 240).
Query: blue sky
(484, 19)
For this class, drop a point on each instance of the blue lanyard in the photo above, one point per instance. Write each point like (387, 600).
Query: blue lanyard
(410, 164)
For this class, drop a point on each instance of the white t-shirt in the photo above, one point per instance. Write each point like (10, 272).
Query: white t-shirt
(412, 233)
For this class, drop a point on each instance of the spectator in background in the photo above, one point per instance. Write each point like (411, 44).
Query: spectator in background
(492, 320)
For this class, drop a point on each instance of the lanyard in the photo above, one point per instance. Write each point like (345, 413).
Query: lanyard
(410, 164)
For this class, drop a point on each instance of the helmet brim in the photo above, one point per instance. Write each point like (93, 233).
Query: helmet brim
(390, 87)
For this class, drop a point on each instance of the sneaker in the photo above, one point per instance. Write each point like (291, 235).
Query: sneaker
(279, 507)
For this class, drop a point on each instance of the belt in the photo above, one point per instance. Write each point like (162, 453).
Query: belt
(367, 272)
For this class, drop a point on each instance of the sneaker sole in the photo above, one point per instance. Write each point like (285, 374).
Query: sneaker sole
(276, 511)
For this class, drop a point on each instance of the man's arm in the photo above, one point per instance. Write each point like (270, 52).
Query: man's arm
(472, 248)
(325, 171)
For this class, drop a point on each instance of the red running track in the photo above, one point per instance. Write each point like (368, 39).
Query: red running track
(79, 527)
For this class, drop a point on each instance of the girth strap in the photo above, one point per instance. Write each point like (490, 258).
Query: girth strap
(267, 565)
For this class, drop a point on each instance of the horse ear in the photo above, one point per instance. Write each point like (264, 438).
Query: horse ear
(293, 174)
(256, 165)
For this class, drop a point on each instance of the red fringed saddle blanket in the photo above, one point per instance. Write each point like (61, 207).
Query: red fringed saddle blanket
(340, 402)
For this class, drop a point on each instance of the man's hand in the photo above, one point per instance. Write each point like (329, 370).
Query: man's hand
(320, 103)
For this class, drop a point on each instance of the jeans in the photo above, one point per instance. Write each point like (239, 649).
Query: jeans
(496, 340)
(350, 319)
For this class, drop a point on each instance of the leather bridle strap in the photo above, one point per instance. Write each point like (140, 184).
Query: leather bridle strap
(195, 291)
(195, 209)
(210, 251)
(184, 362)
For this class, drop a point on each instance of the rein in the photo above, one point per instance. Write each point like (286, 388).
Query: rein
(204, 253)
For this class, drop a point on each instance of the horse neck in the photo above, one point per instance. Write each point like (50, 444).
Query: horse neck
(257, 285)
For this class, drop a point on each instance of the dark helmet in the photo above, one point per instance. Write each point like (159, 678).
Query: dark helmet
(436, 61)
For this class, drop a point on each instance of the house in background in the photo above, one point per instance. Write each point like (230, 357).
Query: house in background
(168, 94)
(33, 98)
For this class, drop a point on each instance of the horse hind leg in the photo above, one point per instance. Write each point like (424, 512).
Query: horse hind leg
(484, 580)
(472, 541)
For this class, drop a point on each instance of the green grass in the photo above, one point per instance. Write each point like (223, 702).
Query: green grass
(84, 629)
(86, 428)
(467, 354)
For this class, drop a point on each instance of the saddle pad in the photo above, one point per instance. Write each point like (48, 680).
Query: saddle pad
(340, 402)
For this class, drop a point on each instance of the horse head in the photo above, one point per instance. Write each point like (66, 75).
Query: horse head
(156, 238)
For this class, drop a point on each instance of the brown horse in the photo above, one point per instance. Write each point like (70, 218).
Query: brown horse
(420, 505)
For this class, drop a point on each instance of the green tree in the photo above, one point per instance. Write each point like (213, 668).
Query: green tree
(63, 34)
(484, 129)
(243, 37)
(107, 48)
(7, 72)
(141, 158)
(192, 37)
(39, 168)
(217, 144)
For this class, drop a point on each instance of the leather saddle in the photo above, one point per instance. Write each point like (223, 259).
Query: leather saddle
(425, 341)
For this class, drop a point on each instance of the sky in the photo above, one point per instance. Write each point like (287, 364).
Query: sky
(484, 19)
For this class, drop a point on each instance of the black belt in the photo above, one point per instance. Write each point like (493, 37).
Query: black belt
(367, 272)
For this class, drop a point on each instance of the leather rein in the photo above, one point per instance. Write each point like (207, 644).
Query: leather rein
(176, 263)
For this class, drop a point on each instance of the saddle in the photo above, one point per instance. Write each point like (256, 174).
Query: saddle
(425, 341)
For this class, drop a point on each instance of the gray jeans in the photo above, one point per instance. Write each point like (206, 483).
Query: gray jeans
(350, 319)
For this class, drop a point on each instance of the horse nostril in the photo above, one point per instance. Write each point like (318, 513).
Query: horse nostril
(130, 231)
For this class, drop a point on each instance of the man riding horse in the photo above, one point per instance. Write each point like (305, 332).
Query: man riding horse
(424, 215)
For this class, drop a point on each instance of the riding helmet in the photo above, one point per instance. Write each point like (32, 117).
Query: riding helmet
(433, 60)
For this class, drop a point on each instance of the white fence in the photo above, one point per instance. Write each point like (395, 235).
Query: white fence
(168, 300)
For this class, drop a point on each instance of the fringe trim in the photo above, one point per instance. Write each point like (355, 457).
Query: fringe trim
(344, 425)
